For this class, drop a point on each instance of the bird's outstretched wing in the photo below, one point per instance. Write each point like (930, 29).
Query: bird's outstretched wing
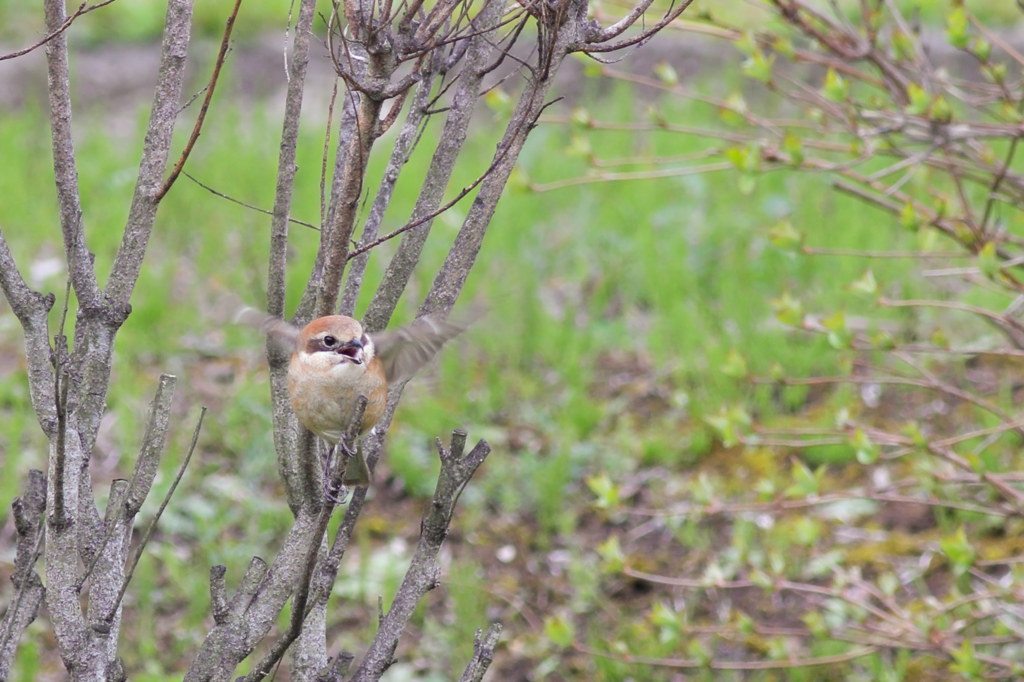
(276, 329)
(404, 351)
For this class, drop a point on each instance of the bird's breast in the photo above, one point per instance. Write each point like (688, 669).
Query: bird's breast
(324, 392)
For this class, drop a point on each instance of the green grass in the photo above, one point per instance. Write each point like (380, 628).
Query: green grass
(612, 306)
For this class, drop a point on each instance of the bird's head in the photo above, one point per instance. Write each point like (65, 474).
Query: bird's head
(335, 340)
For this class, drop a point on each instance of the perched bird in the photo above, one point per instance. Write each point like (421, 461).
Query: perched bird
(334, 362)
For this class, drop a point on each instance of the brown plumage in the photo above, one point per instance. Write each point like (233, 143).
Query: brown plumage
(334, 362)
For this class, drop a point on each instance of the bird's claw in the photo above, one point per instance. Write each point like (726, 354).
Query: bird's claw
(344, 447)
(336, 497)
(331, 493)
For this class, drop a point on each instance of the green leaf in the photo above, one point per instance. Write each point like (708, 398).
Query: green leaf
(519, 181)
(581, 117)
(997, 74)
(956, 28)
(784, 46)
(723, 427)
(835, 322)
(806, 530)
(785, 236)
(605, 490)
(734, 366)
(909, 219)
(703, 489)
(666, 74)
(903, 45)
(613, 560)
(663, 616)
(498, 100)
(988, 260)
(882, 340)
(836, 89)
(1010, 112)
(728, 423)
(839, 336)
(559, 630)
(982, 50)
(746, 43)
(733, 113)
(977, 463)
(866, 286)
(842, 418)
(759, 67)
(959, 552)
(919, 100)
(912, 431)
(746, 159)
(667, 621)
(815, 623)
(805, 481)
(761, 579)
(794, 147)
(967, 662)
(867, 451)
(940, 111)
(788, 310)
(579, 146)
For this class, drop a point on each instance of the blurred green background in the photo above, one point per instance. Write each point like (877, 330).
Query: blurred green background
(613, 309)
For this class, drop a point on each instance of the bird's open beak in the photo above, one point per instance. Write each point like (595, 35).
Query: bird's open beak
(352, 350)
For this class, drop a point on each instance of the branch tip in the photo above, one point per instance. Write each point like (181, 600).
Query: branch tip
(219, 594)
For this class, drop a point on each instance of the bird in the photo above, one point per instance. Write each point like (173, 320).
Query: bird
(334, 361)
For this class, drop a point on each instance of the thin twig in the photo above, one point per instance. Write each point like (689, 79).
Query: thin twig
(301, 604)
(242, 203)
(197, 129)
(156, 519)
(82, 9)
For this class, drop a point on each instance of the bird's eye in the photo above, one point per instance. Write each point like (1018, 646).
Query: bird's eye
(330, 341)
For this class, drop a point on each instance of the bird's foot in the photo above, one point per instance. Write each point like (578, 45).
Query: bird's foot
(338, 496)
(346, 448)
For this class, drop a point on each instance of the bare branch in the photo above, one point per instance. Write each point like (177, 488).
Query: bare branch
(332, 486)
(32, 310)
(109, 571)
(483, 654)
(225, 43)
(156, 150)
(623, 24)
(211, 190)
(219, 594)
(80, 264)
(109, 617)
(286, 160)
(28, 521)
(152, 445)
(84, 8)
(456, 471)
(399, 156)
(596, 43)
(450, 145)
(338, 233)
(452, 276)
